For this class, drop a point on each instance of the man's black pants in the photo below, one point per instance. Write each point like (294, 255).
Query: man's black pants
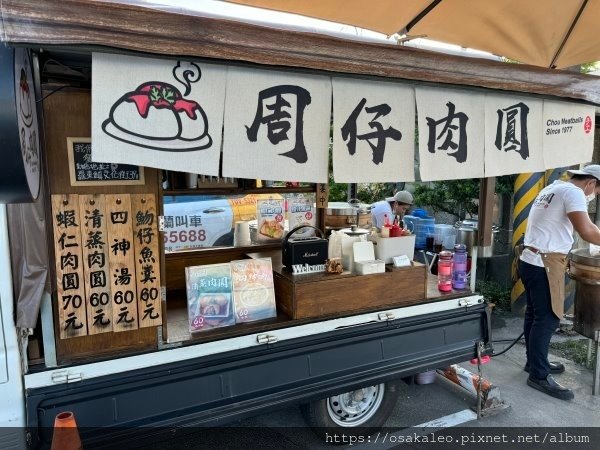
(540, 321)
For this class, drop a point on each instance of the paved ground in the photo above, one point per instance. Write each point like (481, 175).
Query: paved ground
(426, 404)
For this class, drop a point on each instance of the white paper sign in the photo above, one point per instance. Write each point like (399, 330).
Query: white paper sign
(157, 112)
(568, 131)
(373, 131)
(451, 134)
(276, 126)
(513, 135)
(401, 261)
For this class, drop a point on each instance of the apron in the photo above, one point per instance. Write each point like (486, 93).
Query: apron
(556, 265)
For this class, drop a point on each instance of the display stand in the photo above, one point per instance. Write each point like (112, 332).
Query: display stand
(317, 295)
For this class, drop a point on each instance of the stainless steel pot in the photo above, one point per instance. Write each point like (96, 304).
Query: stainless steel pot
(344, 214)
(467, 236)
(467, 233)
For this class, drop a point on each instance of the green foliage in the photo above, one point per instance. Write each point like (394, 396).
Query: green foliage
(458, 197)
(366, 192)
(589, 67)
(575, 350)
(506, 184)
(494, 293)
(373, 192)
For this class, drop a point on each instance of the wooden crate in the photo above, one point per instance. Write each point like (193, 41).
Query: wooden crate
(320, 294)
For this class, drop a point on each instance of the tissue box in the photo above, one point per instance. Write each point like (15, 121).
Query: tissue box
(364, 259)
(369, 267)
(386, 248)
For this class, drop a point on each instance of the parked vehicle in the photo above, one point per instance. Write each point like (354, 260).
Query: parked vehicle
(341, 366)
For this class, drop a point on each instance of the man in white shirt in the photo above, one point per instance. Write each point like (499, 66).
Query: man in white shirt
(556, 211)
(399, 204)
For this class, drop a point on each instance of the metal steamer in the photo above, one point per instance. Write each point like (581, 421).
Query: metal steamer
(351, 214)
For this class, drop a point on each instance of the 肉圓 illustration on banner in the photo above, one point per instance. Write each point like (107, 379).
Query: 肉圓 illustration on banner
(451, 134)
(373, 131)
(513, 135)
(276, 125)
(568, 133)
(146, 110)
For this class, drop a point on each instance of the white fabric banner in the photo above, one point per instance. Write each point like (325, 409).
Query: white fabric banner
(568, 134)
(513, 135)
(276, 126)
(373, 131)
(451, 134)
(157, 112)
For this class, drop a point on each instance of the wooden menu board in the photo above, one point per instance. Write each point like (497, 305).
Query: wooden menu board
(69, 266)
(121, 262)
(95, 263)
(146, 240)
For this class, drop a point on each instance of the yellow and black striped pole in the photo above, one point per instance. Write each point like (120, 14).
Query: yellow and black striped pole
(527, 187)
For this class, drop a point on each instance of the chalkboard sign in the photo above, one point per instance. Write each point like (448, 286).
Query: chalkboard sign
(84, 172)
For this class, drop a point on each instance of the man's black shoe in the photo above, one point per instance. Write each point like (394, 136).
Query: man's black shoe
(551, 387)
(555, 368)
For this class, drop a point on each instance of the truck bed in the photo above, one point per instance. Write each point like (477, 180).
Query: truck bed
(216, 382)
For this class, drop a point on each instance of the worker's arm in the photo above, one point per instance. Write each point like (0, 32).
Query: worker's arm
(585, 227)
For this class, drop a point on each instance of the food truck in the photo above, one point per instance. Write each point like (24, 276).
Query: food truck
(115, 293)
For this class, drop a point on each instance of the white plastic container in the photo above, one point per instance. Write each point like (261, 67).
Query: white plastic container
(425, 377)
(387, 248)
(364, 259)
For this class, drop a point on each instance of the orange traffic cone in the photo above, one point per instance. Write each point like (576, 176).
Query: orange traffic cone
(66, 435)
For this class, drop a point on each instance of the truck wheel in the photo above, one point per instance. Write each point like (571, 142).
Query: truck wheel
(361, 411)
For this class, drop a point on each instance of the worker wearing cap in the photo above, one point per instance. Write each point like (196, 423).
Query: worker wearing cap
(557, 210)
(399, 204)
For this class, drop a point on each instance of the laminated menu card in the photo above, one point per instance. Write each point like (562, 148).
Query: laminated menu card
(209, 296)
(253, 290)
(302, 211)
(270, 219)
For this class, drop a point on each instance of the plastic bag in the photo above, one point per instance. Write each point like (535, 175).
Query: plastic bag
(335, 245)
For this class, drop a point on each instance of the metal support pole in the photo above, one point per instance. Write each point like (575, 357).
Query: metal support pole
(473, 274)
(480, 376)
(352, 191)
(588, 361)
(596, 384)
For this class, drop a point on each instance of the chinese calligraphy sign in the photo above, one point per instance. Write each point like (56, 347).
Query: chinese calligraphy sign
(278, 120)
(121, 262)
(73, 320)
(92, 213)
(373, 131)
(451, 133)
(276, 130)
(513, 138)
(147, 259)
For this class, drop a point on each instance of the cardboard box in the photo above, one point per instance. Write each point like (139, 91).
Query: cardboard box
(364, 259)
(386, 248)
